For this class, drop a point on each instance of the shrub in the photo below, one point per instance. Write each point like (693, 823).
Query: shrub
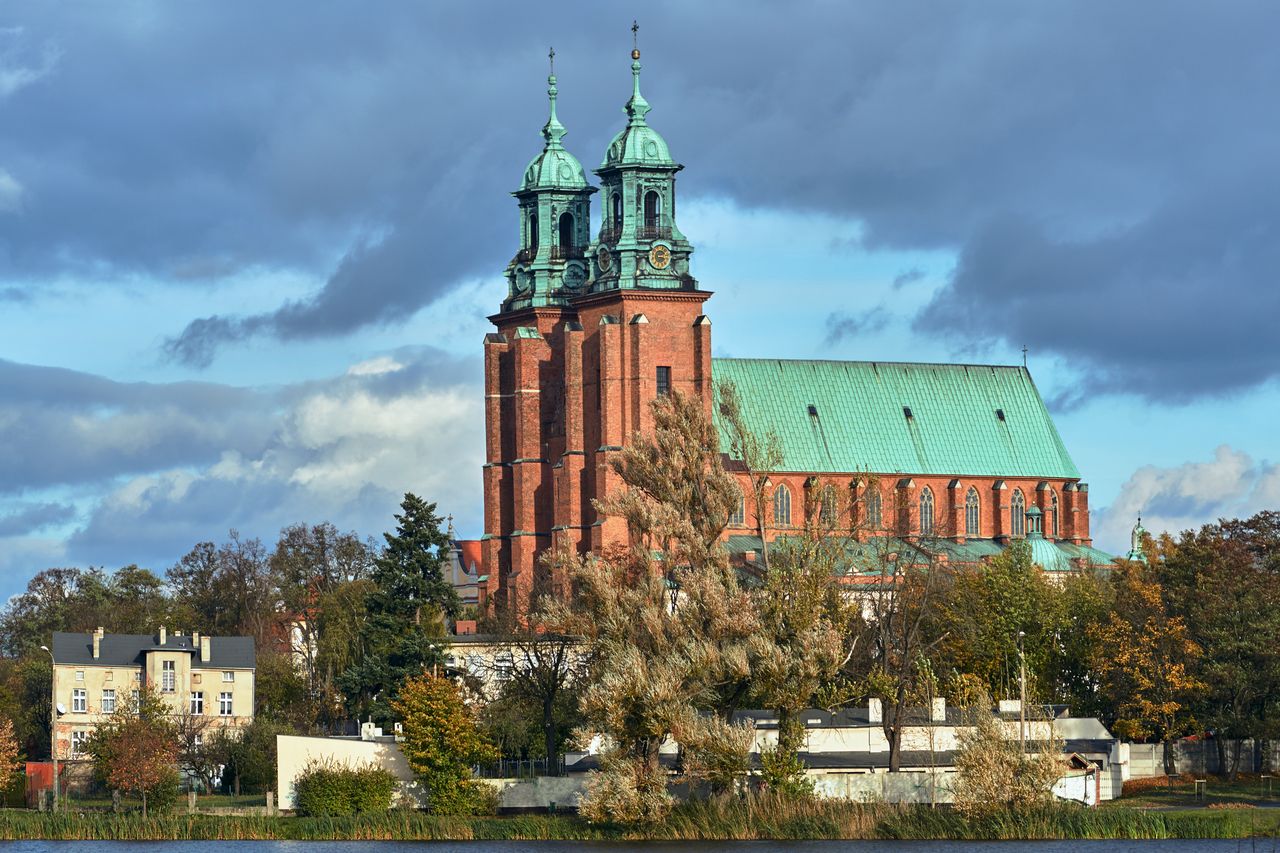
(327, 789)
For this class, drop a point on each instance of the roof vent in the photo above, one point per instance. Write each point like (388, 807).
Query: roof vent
(906, 410)
(1000, 414)
(813, 410)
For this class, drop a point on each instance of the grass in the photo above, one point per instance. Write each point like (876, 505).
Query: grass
(1179, 792)
(757, 818)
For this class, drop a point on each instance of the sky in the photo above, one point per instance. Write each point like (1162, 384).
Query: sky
(247, 250)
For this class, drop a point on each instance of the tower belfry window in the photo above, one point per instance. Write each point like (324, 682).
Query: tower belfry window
(652, 209)
(617, 210)
(566, 230)
(533, 231)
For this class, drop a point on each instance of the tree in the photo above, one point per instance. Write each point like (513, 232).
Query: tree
(993, 772)
(1144, 660)
(665, 621)
(8, 755)
(441, 743)
(901, 605)
(406, 608)
(227, 590)
(756, 455)
(250, 755)
(135, 750)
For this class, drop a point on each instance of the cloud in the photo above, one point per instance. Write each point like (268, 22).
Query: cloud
(1230, 485)
(22, 63)
(30, 517)
(375, 153)
(907, 277)
(841, 325)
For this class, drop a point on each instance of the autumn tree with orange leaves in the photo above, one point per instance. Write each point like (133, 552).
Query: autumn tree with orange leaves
(1144, 658)
(8, 755)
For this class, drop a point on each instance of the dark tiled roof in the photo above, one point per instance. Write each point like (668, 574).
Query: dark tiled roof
(127, 650)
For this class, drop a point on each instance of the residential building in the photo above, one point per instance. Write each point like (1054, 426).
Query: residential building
(95, 674)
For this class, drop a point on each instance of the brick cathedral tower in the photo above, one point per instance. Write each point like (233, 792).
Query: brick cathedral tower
(590, 333)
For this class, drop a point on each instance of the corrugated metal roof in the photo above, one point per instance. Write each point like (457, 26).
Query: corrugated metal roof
(965, 420)
(127, 649)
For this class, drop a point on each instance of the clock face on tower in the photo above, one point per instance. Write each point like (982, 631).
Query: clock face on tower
(660, 257)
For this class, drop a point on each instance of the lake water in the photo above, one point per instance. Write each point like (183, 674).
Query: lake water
(1255, 845)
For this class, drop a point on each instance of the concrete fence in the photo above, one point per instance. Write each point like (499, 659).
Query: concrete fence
(1200, 756)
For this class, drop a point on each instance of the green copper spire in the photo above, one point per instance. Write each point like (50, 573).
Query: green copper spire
(554, 168)
(637, 107)
(553, 131)
(1136, 551)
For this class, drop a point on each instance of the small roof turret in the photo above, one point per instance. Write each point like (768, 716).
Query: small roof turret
(555, 167)
(1139, 533)
(1049, 556)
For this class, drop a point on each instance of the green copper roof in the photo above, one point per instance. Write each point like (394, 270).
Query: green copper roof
(964, 420)
(637, 144)
(554, 168)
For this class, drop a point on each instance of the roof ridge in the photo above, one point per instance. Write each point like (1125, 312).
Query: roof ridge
(876, 362)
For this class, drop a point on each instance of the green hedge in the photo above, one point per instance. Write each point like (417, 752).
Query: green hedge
(325, 789)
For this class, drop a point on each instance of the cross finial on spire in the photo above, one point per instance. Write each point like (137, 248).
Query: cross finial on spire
(552, 57)
(1024, 355)
(635, 36)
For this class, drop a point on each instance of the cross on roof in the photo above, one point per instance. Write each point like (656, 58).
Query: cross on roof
(552, 56)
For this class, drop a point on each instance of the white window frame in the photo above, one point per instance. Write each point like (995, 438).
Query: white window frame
(226, 707)
(79, 737)
(197, 703)
(79, 675)
(168, 676)
(228, 676)
(79, 701)
(109, 701)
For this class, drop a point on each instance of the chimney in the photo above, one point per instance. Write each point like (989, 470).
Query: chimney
(164, 635)
(97, 643)
(204, 650)
(195, 641)
(939, 714)
(875, 711)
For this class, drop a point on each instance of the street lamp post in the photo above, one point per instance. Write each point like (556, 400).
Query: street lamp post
(1022, 693)
(53, 721)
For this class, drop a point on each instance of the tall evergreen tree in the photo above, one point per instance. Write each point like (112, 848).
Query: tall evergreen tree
(405, 610)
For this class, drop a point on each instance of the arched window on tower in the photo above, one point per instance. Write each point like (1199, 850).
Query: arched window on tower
(972, 524)
(566, 233)
(1018, 513)
(1053, 514)
(875, 510)
(926, 512)
(533, 232)
(830, 511)
(652, 209)
(782, 506)
(616, 219)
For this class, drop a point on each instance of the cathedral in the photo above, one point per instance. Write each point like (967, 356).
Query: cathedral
(964, 458)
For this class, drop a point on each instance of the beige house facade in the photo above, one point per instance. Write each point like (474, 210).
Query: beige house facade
(97, 673)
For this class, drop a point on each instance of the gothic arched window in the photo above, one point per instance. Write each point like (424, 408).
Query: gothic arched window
(782, 506)
(829, 512)
(971, 508)
(926, 512)
(875, 510)
(533, 231)
(566, 230)
(652, 209)
(1053, 513)
(1018, 514)
(738, 516)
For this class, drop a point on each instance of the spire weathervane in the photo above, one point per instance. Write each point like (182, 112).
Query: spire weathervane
(635, 40)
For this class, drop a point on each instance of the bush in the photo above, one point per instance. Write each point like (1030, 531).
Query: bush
(326, 789)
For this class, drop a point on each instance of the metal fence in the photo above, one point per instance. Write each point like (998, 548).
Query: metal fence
(523, 768)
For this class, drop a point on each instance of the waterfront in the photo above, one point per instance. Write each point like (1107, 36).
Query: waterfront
(1242, 845)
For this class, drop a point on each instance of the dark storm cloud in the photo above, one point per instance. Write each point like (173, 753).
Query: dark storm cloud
(841, 325)
(373, 147)
(33, 516)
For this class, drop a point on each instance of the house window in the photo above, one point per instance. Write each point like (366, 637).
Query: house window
(738, 516)
(926, 512)
(504, 666)
(782, 506)
(79, 740)
(224, 704)
(79, 675)
(829, 512)
(197, 704)
(168, 676)
(1018, 513)
(875, 510)
(971, 509)
(228, 675)
(79, 701)
(1053, 513)
(108, 701)
(664, 381)
(136, 697)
